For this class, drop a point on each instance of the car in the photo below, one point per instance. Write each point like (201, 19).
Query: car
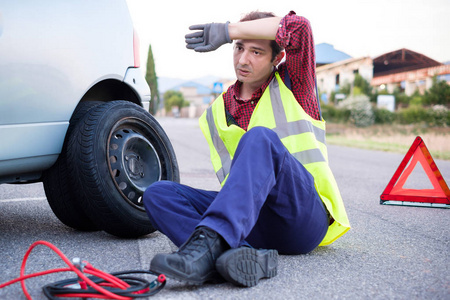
(74, 113)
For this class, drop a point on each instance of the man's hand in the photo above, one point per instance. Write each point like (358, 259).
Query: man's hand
(210, 37)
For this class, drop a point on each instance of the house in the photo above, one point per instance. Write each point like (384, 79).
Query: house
(406, 70)
(335, 68)
(403, 69)
(194, 92)
(330, 77)
(326, 54)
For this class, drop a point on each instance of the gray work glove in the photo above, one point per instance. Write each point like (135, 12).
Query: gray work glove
(210, 37)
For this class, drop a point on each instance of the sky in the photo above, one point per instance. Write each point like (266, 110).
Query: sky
(356, 27)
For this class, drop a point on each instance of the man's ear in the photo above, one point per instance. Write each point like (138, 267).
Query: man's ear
(278, 58)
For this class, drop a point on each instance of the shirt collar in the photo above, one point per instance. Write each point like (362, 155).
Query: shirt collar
(235, 91)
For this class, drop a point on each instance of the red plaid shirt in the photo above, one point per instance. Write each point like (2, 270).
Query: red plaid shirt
(295, 36)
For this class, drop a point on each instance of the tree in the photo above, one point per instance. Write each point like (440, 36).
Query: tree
(439, 93)
(173, 98)
(362, 85)
(152, 81)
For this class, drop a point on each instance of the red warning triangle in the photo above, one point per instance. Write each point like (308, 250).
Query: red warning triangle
(418, 153)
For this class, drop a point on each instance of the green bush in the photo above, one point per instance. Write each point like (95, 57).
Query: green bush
(362, 84)
(361, 112)
(416, 100)
(412, 114)
(174, 98)
(400, 98)
(439, 93)
(438, 115)
(335, 115)
(383, 116)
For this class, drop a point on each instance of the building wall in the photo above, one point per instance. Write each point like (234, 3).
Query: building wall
(190, 94)
(345, 71)
(331, 77)
(410, 81)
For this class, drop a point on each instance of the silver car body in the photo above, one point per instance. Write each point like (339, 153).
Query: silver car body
(54, 54)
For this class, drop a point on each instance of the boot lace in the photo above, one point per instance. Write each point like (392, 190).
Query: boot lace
(196, 244)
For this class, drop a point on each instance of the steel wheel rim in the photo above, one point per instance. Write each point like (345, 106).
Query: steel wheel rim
(133, 162)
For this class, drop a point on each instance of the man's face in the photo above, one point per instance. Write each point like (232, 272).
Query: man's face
(253, 61)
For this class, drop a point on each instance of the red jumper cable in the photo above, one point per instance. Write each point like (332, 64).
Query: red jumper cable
(100, 284)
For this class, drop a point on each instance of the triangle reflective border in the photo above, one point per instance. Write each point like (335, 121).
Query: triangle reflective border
(395, 194)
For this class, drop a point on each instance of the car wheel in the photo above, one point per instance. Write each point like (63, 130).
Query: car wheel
(58, 190)
(117, 151)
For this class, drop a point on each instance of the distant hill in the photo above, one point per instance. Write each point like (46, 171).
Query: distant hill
(167, 83)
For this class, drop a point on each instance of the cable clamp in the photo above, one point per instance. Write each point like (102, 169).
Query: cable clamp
(80, 265)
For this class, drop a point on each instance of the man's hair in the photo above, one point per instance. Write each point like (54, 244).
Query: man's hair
(255, 15)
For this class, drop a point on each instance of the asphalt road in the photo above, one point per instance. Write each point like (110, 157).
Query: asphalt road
(391, 252)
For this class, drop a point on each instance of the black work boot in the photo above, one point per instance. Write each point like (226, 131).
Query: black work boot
(195, 260)
(246, 266)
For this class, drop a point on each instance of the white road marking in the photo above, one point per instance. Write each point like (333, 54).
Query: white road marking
(22, 199)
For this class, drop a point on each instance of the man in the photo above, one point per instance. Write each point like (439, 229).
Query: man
(267, 144)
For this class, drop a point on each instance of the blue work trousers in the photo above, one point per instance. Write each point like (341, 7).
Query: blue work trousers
(268, 201)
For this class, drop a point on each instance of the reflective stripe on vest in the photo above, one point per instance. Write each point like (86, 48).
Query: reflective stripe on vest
(283, 129)
(219, 145)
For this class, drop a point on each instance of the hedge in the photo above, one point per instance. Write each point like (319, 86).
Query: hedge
(435, 116)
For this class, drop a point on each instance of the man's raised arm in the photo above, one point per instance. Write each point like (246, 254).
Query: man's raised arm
(209, 37)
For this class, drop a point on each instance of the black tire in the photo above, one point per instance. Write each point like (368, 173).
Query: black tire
(60, 196)
(117, 151)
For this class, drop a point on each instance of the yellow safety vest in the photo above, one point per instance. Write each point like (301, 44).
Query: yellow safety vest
(303, 136)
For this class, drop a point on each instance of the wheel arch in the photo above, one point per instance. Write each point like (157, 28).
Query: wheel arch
(109, 90)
